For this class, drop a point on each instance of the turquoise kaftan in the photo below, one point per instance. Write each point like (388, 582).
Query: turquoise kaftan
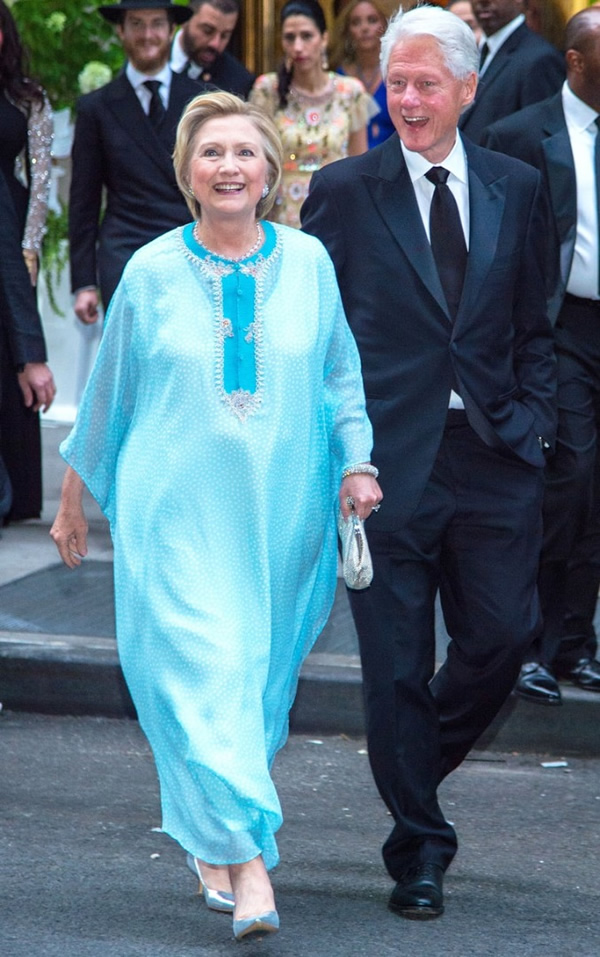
(225, 400)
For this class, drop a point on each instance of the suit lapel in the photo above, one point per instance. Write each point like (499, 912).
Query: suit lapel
(487, 197)
(495, 70)
(394, 197)
(126, 109)
(560, 170)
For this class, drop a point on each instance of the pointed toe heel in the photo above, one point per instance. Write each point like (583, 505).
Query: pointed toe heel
(221, 901)
(256, 926)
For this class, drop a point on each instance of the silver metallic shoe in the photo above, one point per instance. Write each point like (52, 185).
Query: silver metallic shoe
(256, 926)
(222, 901)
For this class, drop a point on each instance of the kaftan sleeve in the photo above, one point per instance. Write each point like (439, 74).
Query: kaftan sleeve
(351, 435)
(107, 407)
(39, 148)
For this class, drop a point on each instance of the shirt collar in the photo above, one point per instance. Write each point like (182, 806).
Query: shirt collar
(579, 115)
(455, 162)
(497, 39)
(179, 58)
(136, 78)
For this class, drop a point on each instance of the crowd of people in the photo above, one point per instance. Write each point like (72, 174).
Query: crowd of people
(376, 272)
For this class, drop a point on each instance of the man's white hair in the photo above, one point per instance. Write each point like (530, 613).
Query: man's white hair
(455, 38)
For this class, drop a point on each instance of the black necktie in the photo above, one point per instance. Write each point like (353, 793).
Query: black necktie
(597, 172)
(483, 55)
(157, 110)
(447, 238)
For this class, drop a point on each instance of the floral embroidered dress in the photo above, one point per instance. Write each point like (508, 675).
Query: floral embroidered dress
(225, 400)
(314, 131)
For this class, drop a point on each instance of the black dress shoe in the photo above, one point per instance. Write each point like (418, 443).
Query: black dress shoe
(585, 674)
(419, 896)
(537, 683)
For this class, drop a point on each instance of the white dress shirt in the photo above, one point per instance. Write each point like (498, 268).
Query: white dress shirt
(143, 94)
(458, 184)
(583, 277)
(180, 62)
(497, 39)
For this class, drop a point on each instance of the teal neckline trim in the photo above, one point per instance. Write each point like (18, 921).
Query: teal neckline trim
(198, 250)
(237, 289)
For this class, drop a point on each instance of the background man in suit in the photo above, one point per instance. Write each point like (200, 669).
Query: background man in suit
(460, 383)
(560, 137)
(124, 138)
(199, 48)
(18, 310)
(518, 66)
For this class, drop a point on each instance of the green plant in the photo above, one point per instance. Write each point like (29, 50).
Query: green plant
(55, 253)
(61, 37)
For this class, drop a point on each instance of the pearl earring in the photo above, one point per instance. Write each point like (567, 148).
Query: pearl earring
(265, 191)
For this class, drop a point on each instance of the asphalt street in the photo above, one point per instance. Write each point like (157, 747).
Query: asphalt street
(86, 872)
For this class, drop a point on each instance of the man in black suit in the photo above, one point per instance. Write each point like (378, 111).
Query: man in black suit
(560, 137)
(199, 48)
(443, 289)
(22, 325)
(518, 66)
(124, 138)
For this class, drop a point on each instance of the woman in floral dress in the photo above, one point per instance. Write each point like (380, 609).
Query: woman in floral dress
(321, 116)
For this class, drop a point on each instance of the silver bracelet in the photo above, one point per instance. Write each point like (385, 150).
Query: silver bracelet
(365, 468)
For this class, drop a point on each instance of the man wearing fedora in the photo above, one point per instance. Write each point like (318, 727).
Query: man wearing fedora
(123, 189)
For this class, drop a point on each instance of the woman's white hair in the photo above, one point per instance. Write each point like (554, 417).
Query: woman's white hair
(455, 38)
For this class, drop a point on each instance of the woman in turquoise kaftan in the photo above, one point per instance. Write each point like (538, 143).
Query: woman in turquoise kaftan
(224, 404)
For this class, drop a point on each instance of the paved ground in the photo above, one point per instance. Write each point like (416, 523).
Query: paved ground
(78, 673)
(85, 873)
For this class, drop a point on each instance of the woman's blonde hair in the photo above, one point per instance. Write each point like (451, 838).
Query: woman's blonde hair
(210, 106)
(342, 48)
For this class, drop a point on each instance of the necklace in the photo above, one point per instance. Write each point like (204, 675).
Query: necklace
(368, 78)
(232, 259)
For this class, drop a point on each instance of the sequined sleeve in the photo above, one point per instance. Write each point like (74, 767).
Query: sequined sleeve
(39, 143)
(264, 93)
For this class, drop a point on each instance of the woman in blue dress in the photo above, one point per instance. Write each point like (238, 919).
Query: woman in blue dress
(355, 52)
(223, 421)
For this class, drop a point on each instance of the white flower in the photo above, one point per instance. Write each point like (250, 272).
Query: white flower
(56, 21)
(93, 76)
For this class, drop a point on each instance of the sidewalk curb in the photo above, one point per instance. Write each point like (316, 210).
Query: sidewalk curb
(76, 675)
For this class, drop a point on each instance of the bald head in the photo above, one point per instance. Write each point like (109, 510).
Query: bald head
(582, 43)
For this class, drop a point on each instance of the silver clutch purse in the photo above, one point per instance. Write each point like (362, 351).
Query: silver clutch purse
(357, 566)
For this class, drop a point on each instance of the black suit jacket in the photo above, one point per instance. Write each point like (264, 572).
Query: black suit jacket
(227, 73)
(20, 322)
(538, 135)
(499, 348)
(116, 149)
(525, 69)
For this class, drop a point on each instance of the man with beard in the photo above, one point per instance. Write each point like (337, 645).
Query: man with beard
(199, 49)
(124, 139)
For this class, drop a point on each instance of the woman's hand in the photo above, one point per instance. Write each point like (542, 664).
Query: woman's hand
(32, 263)
(69, 531)
(365, 492)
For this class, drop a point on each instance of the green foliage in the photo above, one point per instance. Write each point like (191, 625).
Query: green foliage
(61, 37)
(55, 253)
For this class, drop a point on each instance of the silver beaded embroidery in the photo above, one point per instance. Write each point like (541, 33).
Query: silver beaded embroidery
(36, 174)
(241, 402)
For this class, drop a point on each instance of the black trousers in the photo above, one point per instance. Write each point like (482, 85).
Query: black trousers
(476, 535)
(578, 637)
(569, 473)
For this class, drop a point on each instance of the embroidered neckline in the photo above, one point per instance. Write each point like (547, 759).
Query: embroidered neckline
(213, 268)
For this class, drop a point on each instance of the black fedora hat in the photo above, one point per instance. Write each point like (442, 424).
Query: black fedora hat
(115, 11)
